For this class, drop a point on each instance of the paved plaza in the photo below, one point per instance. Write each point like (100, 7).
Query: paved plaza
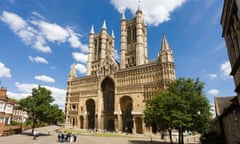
(49, 136)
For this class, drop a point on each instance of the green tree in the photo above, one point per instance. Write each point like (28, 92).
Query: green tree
(182, 106)
(39, 107)
(55, 115)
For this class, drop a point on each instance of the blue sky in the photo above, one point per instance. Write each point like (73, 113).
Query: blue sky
(41, 39)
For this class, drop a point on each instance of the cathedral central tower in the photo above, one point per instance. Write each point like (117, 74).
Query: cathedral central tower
(133, 41)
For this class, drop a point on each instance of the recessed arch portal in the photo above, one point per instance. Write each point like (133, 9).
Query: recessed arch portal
(108, 88)
(126, 105)
(90, 105)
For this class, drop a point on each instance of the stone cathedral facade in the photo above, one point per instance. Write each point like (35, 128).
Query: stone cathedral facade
(112, 95)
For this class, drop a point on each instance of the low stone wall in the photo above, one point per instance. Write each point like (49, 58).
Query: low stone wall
(1, 128)
(9, 130)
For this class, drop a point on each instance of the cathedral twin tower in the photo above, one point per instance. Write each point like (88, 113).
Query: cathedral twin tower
(112, 96)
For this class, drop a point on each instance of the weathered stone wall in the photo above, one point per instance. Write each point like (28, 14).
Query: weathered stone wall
(232, 128)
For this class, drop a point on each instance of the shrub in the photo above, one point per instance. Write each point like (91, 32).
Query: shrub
(14, 123)
(212, 138)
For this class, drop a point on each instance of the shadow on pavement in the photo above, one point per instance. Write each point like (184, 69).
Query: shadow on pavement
(146, 142)
(26, 133)
(30, 134)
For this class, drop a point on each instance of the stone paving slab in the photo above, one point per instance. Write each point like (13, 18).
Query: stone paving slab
(49, 136)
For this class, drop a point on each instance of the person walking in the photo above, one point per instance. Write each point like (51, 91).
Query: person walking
(35, 134)
(74, 138)
(59, 137)
(71, 138)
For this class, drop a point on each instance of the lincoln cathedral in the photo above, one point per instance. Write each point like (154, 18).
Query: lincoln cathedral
(112, 96)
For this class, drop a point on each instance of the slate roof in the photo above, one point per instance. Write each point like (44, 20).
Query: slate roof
(222, 103)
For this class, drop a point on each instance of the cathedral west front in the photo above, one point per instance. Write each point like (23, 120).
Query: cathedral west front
(113, 94)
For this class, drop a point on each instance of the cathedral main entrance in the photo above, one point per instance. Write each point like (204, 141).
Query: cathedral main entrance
(90, 104)
(107, 87)
(126, 108)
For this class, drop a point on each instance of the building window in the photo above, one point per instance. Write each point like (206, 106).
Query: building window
(73, 106)
(9, 108)
(2, 104)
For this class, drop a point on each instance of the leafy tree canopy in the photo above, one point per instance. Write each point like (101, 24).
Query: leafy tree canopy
(183, 105)
(40, 108)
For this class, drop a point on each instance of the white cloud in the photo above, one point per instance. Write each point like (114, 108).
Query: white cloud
(38, 59)
(26, 88)
(81, 68)
(27, 33)
(45, 78)
(212, 76)
(75, 42)
(17, 95)
(59, 95)
(19, 26)
(225, 69)
(38, 32)
(155, 11)
(38, 15)
(80, 57)
(4, 71)
(213, 92)
(15, 22)
(52, 32)
(40, 44)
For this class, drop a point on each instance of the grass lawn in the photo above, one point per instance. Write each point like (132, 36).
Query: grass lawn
(102, 134)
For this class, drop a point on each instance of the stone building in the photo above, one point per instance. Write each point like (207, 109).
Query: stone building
(112, 95)
(227, 108)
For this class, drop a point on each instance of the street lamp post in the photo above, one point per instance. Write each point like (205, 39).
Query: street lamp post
(199, 116)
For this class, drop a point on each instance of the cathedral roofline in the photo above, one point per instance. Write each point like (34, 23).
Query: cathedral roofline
(138, 66)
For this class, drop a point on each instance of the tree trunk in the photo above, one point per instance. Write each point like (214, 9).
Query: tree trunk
(180, 135)
(33, 125)
(170, 135)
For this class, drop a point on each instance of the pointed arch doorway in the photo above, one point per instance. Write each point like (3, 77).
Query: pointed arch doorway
(126, 105)
(108, 88)
(90, 104)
